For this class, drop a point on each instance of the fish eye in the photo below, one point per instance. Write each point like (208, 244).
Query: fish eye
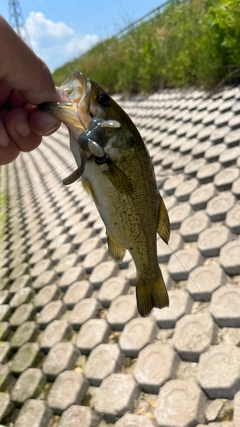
(104, 99)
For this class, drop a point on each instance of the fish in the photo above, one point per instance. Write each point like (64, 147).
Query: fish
(117, 172)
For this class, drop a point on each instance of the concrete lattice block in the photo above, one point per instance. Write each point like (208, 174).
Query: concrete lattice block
(172, 183)
(180, 303)
(136, 335)
(207, 172)
(45, 295)
(225, 306)
(121, 311)
(225, 178)
(68, 389)
(193, 334)
(218, 207)
(213, 239)
(236, 414)
(201, 196)
(116, 396)
(70, 276)
(23, 313)
(28, 385)
(58, 330)
(212, 153)
(191, 227)
(52, 311)
(35, 413)
(165, 250)
(111, 289)
(156, 364)
(62, 356)
(233, 218)
(88, 246)
(178, 213)
(181, 403)
(78, 415)
(236, 188)
(132, 420)
(104, 360)
(6, 405)
(23, 296)
(184, 189)
(94, 258)
(83, 311)
(26, 357)
(77, 291)
(229, 257)
(26, 332)
(92, 333)
(182, 262)
(224, 359)
(204, 280)
(102, 272)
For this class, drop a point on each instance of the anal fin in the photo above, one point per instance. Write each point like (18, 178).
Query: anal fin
(163, 222)
(116, 250)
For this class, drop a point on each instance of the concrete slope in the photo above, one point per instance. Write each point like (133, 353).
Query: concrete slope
(73, 350)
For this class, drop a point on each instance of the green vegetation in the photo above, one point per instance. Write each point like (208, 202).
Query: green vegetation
(193, 42)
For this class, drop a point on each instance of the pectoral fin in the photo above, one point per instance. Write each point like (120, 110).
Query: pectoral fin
(163, 223)
(119, 179)
(116, 250)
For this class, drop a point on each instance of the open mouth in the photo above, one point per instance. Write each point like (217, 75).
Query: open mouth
(75, 112)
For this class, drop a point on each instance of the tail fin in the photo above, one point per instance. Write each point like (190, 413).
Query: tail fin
(151, 295)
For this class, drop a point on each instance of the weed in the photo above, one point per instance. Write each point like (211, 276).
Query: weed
(191, 42)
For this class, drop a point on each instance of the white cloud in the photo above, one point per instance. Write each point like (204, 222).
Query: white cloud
(38, 26)
(81, 44)
(55, 42)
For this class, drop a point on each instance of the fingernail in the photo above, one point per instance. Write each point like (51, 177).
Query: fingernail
(4, 140)
(49, 124)
(49, 132)
(23, 128)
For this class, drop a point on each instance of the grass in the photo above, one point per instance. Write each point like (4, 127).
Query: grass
(194, 42)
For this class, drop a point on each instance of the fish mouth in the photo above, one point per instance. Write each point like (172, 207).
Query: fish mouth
(76, 112)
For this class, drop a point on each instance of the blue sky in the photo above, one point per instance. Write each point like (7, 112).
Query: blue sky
(60, 30)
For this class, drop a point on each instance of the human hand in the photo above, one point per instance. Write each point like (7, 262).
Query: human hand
(25, 82)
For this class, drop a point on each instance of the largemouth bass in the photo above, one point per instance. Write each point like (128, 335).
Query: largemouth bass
(117, 172)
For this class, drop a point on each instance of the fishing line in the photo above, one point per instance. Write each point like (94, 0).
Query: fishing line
(221, 83)
(209, 93)
(204, 299)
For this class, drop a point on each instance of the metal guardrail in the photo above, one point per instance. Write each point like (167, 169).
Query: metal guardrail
(148, 17)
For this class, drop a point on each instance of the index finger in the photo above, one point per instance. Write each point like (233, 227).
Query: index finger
(22, 69)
